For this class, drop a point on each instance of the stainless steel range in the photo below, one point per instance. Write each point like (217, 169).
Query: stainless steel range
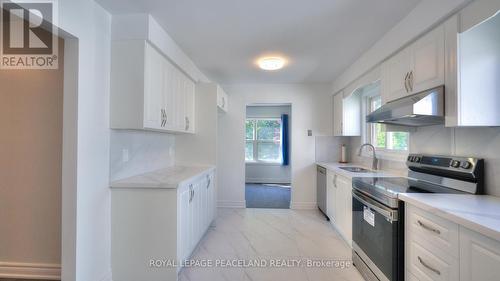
(377, 219)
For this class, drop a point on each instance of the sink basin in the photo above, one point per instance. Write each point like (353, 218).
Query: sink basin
(355, 169)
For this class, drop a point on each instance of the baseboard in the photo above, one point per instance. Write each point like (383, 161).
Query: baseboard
(43, 271)
(303, 205)
(231, 204)
(261, 180)
(106, 276)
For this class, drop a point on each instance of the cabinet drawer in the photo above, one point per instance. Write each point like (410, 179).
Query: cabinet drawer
(440, 233)
(425, 265)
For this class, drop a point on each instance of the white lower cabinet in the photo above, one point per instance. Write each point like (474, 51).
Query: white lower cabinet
(331, 194)
(196, 203)
(153, 228)
(479, 257)
(339, 204)
(438, 249)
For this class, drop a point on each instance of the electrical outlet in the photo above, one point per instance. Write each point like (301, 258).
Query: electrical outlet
(309, 133)
(125, 155)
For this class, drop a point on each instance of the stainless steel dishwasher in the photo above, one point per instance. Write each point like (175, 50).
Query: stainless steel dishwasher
(321, 189)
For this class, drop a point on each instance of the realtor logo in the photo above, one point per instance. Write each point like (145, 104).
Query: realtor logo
(29, 36)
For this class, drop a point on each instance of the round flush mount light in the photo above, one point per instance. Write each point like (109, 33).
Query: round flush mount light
(271, 63)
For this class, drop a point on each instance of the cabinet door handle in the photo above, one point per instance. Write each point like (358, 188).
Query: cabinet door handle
(191, 193)
(335, 181)
(209, 181)
(410, 78)
(428, 266)
(406, 81)
(223, 102)
(163, 117)
(187, 123)
(426, 227)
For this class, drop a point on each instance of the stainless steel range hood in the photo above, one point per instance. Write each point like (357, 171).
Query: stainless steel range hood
(422, 109)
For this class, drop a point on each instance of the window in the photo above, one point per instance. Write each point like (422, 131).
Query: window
(263, 140)
(397, 141)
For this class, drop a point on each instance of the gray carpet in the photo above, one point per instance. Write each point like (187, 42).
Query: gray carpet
(270, 196)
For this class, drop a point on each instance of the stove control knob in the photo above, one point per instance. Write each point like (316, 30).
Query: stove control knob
(416, 159)
(455, 163)
(466, 165)
(410, 158)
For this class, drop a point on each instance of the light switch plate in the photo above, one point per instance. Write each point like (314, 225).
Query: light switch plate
(309, 133)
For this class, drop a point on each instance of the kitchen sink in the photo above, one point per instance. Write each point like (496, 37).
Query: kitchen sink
(355, 169)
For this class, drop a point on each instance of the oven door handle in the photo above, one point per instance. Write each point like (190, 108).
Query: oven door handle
(388, 213)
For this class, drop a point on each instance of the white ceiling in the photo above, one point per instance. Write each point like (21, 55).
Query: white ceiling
(223, 37)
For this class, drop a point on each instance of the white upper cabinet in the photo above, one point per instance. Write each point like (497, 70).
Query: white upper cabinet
(222, 100)
(154, 100)
(428, 61)
(148, 92)
(472, 84)
(346, 115)
(416, 68)
(395, 73)
(337, 114)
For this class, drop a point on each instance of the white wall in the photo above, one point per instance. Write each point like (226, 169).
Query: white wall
(87, 256)
(311, 109)
(268, 173)
(200, 148)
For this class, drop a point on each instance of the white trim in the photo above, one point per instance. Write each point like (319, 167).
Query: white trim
(303, 205)
(231, 204)
(44, 271)
(268, 180)
(263, 163)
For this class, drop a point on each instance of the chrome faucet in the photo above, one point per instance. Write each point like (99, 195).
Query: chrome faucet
(375, 160)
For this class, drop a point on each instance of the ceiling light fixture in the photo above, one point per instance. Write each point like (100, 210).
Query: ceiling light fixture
(271, 63)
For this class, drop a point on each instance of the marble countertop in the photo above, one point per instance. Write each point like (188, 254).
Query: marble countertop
(170, 177)
(480, 213)
(335, 167)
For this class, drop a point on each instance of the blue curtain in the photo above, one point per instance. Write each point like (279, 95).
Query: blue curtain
(285, 140)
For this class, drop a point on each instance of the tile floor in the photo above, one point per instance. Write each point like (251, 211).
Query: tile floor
(272, 235)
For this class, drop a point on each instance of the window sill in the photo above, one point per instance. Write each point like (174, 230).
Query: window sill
(262, 163)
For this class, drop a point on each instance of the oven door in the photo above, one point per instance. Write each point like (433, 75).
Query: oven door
(375, 230)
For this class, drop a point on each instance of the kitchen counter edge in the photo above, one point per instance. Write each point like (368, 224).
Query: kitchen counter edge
(167, 178)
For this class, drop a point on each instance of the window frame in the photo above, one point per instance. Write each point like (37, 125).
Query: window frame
(368, 134)
(255, 142)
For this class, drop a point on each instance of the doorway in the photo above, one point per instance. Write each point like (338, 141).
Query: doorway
(267, 156)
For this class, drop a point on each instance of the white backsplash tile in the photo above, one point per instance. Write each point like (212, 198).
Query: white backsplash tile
(482, 143)
(328, 148)
(147, 151)
(432, 140)
(470, 142)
